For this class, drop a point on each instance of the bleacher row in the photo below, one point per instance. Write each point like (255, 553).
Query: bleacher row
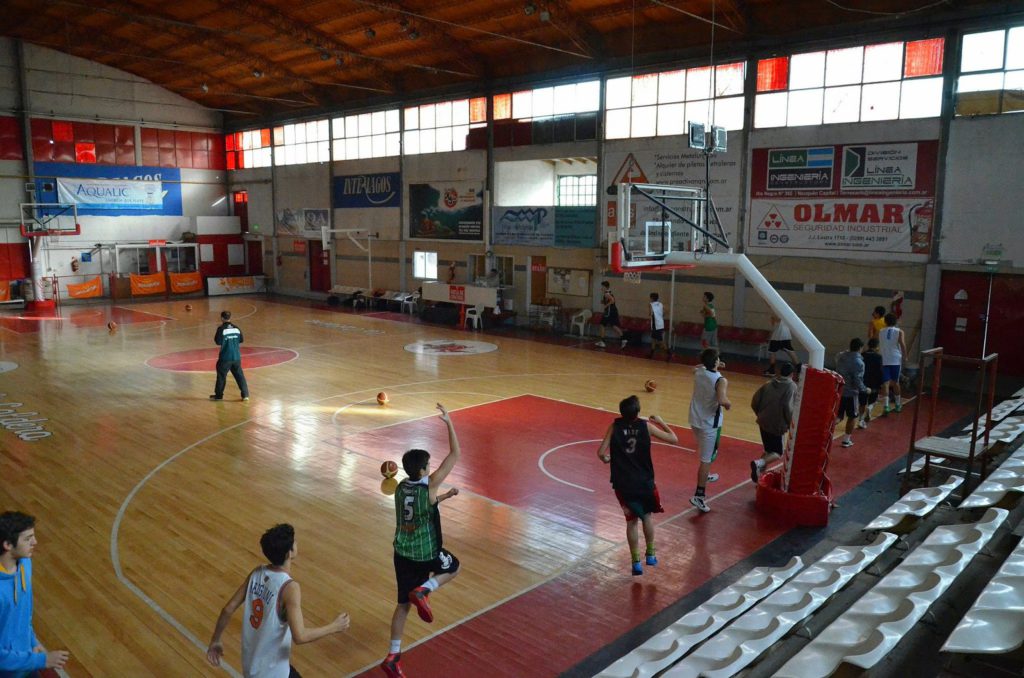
(848, 612)
(681, 330)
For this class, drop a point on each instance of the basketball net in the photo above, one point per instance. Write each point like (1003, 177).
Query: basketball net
(632, 277)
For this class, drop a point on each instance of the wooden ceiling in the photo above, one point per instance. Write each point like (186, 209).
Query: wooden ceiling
(279, 59)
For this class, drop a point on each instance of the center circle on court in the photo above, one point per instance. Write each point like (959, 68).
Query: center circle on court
(447, 347)
(205, 359)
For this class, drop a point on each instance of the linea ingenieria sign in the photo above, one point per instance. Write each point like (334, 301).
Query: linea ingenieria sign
(20, 424)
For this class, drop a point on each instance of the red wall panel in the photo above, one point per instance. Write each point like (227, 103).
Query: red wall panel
(10, 139)
(1006, 317)
(14, 261)
(219, 265)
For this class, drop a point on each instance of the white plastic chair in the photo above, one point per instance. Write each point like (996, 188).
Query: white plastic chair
(473, 314)
(580, 320)
(409, 302)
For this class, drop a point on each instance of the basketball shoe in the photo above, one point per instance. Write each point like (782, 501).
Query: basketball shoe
(420, 597)
(700, 504)
(638, 569)
(392, 665)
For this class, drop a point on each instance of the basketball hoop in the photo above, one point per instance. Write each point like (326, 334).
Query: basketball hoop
(632, 277)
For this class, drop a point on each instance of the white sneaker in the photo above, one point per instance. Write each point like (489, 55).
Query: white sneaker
(599, 344)
(756, 469)
(624, 343)
(700, 504)
(712, 477)
(847, 443)
(862, 424)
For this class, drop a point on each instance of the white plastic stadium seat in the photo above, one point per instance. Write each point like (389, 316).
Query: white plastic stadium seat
(473, 314)
(865, 633)
(409, 302)
(1008, 478)
(668, 646)
(911, 507)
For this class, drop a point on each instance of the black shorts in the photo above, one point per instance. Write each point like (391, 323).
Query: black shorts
(610, 319)
(776, 346)
(847, 407)
(412, 573)
(772, 443)
(866, 399)
(658, 335)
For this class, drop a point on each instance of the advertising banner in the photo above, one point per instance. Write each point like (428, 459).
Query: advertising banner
(5, 290)
(153, 283)
(451, 210)
(111, 190)
(111, 194)
(575, 226)
(87, 289)
(368, 190)
(523, 226)
(861, 200)
(183, 283)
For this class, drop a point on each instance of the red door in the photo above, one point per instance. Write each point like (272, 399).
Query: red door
(254, 256)
(319, 267)
(963, 298)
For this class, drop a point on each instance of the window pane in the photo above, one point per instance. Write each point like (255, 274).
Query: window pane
(698, 83)
(982, 51)
(377, 122)
(418, 264)
(337, 129)
(352, 127)
(644, 122)
(588, 95)
(772, 74)
(844, 66)
(883, 62)
(311, 131)
(1015, 48)
(880, 101)
(365, 124)
(645, 89)
(412, 118)
(427, 117)
(265, 137)
(924, 57)
(391, 144)
(352, 148)
(671, 87)
(807, 70)
(365, 147)
(289, 135)
(323, 129)
(921, 98)
(339, 149)
(443, 114)
(391, 120)
(770, 109)
(982, 82)
(323, 149)
(377, 143)
(671, 119)
(805, 107)
(617, 92)
(478, 109)
(842, 104)
(1014, 85)
(411, 143)
(565, 99)
(431, 264)
(729, 79)
(522, 105)
(616, 124)
(460, 112)
(300, 133)
(459, 135)
(278, 136)
(427, 141)
(443, 139)
(543, 102)
(729, 113)
(502, 107)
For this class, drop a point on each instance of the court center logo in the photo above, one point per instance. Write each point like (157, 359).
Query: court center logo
(443, 347)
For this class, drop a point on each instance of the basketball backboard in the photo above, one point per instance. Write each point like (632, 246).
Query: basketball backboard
(40, 218)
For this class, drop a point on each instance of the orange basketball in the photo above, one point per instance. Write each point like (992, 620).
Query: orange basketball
(111, 326)
(382, 399)
(188, 308)
(388, 469)
(651, 385)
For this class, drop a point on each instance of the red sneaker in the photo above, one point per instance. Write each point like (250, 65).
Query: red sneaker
(420, 597)
(392, 665)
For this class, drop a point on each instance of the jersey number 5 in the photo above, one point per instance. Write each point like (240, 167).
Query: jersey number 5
(256, 618)
(407, 508)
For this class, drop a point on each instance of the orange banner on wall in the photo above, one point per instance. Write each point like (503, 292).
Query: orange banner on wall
(90, 288)
(5, 290)
(154, 283)
(182, 283)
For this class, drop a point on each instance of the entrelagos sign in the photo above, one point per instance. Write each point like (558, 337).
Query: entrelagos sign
(368, 190)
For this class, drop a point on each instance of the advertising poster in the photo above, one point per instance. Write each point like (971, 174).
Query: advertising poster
(859, 200)
(368, 190)
(575, 226)
(110, 190)
(523, 226)
(452, 210)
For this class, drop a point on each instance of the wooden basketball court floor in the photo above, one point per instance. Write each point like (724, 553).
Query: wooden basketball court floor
(150, 498)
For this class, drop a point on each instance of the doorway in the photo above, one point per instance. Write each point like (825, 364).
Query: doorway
(254, 257)
(319, 266)
(963, 297)
(240, 208)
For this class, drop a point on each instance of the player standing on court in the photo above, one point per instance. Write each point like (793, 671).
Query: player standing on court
(893, 348)
(609, 316)
(706, 405)
(421, 564)
(632, 473)
(273, 609)
(658, 327)
(709, 337)
(229, 338)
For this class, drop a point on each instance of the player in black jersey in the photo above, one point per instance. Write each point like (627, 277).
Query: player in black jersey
(632, 472)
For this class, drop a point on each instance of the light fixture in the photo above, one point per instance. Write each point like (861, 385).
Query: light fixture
(204, 87)
(414, 34)
(257, 73)
(370, 33)
(529, 9)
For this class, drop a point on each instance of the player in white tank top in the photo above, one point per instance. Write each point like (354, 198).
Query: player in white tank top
(705, 410)
(889, 346)
(266, 638)
(892, 347)
(706, 405)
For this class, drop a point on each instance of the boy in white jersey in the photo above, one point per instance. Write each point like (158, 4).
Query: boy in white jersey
(706, 405)
(658, 327)
(273, 608)
(892, 348)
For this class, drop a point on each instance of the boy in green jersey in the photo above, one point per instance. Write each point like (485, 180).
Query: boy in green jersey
(421, 565)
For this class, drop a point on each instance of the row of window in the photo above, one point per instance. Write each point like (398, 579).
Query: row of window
(885, 81)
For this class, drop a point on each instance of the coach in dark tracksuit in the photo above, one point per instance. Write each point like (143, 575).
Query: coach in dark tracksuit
(229, 338)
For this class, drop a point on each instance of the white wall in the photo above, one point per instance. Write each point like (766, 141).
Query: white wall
(257, 183)
(524, 182)
(984, 188)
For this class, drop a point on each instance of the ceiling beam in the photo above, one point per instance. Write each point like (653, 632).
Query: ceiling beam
(583, 35)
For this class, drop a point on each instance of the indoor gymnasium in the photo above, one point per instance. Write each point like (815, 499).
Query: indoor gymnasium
(704, 313)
